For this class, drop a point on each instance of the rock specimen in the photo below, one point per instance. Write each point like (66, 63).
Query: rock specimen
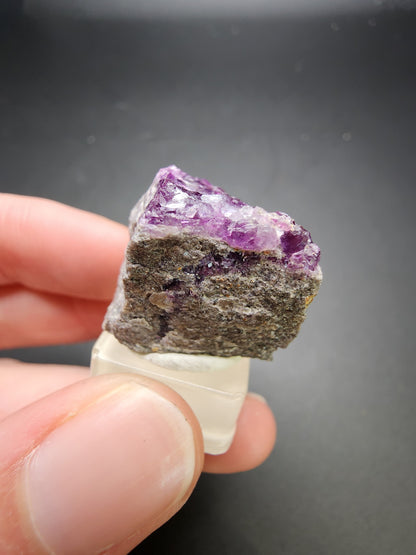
(205, 273)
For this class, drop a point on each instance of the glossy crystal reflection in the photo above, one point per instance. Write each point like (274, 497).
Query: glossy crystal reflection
(178, 201)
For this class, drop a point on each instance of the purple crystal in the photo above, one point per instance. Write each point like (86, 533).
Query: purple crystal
(177, 201)
(216, 265)
(205, 273)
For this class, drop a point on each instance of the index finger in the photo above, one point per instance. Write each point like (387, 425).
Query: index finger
(48, 246)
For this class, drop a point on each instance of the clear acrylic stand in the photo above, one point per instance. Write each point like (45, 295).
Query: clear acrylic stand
(214, 387)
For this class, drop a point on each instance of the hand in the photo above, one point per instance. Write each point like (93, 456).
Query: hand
(88, 465)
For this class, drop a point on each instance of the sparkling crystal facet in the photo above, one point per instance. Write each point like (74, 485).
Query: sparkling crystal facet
(177, 201)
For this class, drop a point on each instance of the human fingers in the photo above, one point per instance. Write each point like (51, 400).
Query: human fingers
(95, 467)
(47, 246)
(30, 318)
(21, 384)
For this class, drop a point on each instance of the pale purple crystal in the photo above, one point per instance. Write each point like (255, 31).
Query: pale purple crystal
(177, 201)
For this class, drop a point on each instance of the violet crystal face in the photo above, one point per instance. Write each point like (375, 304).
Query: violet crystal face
(205, 273)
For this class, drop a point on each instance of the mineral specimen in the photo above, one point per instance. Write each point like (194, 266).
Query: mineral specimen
(205, 273)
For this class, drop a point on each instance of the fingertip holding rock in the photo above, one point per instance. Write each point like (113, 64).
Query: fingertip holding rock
(114, 471)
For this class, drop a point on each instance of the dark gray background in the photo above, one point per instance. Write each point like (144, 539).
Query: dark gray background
(311, 114)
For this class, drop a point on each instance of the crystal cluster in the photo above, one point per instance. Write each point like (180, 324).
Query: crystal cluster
(205, 273)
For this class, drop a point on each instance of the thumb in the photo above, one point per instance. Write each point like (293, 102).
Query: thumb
(96, 466)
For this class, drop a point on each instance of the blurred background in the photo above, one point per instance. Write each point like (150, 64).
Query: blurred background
(304, 106)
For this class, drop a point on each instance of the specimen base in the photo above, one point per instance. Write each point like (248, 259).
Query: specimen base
(214, 387)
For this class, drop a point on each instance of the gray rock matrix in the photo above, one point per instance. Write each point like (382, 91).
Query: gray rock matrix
(197, 295)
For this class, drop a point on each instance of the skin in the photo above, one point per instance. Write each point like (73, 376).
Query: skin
(57, 276)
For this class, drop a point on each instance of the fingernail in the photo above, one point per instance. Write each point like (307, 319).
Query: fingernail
(107, 470)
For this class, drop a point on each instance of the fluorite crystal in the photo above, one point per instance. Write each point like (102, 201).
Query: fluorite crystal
(205, 273)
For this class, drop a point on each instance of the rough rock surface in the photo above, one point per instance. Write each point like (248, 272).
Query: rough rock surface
(206, 274)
